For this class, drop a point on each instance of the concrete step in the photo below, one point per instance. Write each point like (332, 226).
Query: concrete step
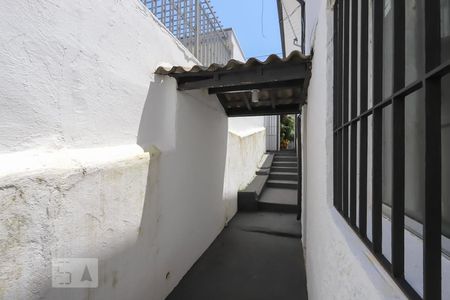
(285, 153)
(284, 169)
(248, 197)
(284, 164)
(282, 184)
(285, 158)
(277, 207)
(278, 200)
(283, 176)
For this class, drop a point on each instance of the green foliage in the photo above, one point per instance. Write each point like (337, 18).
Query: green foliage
(287, 129)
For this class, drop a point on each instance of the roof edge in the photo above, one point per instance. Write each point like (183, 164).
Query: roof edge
(233, 64)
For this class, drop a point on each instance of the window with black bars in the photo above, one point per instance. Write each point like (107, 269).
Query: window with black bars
(392, 135)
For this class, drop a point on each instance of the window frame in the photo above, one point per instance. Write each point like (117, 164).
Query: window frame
(346, 97)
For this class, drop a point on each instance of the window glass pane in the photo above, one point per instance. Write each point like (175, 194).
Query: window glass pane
(445, 267)
(345, 172)
(349, 151)
(414, 188)
(350, 62)
(388, 48)
(370, 56)
(387, 155)
(445, 142)
(387, 180)
(445, 29)
(358, 158)
(369, 175)
(414, 40)
(413, 259)
(386, 233)
(358, 53)
(415, 155)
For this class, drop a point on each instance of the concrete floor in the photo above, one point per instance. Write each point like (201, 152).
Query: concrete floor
(280, 196)
(258, 256)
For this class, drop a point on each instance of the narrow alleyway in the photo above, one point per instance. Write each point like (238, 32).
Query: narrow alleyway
(258, 256)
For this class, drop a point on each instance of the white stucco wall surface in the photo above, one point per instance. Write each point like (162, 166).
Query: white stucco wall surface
(338, 264)
(64, 68)
(244, 153)
(292, 25)
(291, 10)
(245, 125)
(83, 203)
(237, 53)
(99, 157)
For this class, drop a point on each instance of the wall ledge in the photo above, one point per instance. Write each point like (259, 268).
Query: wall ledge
(247, 133)
(32, 161)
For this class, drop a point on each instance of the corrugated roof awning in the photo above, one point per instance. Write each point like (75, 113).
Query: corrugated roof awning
(253, 88)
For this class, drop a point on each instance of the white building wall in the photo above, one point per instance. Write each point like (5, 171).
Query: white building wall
(244, 153)
(99, 157)
(292, 24)
(338, 264)
(245, 125)
(237, 53)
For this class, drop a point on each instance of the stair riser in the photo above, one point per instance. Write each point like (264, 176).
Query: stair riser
(275, 207)
(282, 185)
(284, 153)
(285, 164)
(247, 201)
(292, 177)
(283, 170)
(291, 159)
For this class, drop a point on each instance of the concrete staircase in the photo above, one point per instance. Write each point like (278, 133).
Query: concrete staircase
(274, 187)
(283, 172)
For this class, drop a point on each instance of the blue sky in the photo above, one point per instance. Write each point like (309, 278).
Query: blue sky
(255, 26)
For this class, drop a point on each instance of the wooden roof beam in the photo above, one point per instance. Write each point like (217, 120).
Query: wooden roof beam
(239, 79)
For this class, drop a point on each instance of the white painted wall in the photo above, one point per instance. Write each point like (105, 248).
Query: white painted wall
(238, 54)
(245, 125)
(69, 203)
(244, 153)
(291, 10)
(292, 24)
(338, 264)
(82, 112)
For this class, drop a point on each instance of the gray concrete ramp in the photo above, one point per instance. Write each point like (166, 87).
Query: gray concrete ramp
(258, 256)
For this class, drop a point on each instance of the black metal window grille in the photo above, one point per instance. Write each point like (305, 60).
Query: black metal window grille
(391, 133)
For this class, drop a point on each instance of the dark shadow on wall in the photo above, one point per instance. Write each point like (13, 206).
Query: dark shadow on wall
(183, 210)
